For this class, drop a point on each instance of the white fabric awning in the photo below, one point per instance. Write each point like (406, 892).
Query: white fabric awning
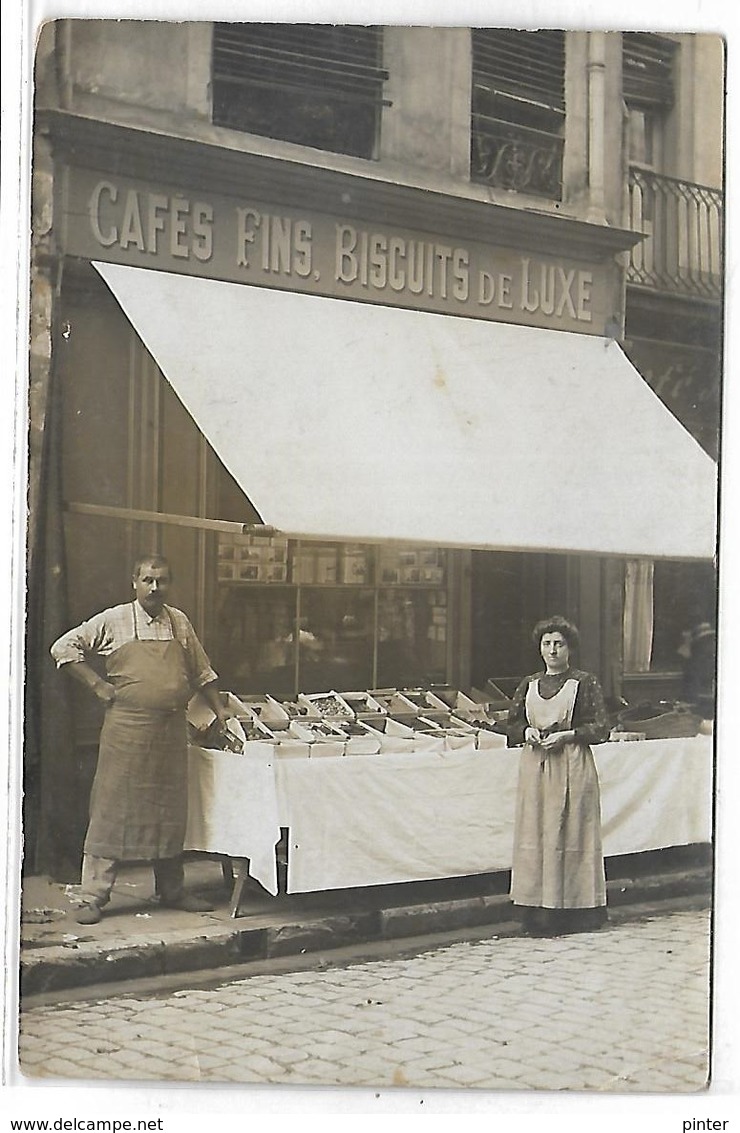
(353, 421)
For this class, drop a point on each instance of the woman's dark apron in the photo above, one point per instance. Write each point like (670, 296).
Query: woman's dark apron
(139, 798)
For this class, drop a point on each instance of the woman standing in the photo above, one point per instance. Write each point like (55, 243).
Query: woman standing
(558, 865)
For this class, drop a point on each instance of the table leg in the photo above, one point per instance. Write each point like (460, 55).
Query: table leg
(240, 872)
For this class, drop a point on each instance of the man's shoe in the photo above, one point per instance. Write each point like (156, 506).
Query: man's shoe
(89, 914)
(187, 904)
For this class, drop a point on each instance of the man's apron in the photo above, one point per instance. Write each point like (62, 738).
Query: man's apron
(139, 798)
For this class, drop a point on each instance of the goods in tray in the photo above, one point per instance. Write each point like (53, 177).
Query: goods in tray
(457, 700)
(326, 703)
(425, 701)
(205, 731)
(487, 723)
(299, 711)
(458, 725)
(361, 739)
(394, 702)
(351, 727)
(391, 727)
(268, 710)
(418, 724)
(315, 731)
(363, 703)
(661, 721)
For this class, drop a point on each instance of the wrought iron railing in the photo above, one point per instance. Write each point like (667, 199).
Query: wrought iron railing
(683, 226)
(509, 156)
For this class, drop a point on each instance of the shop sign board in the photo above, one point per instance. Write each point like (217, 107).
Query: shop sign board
(113, 218)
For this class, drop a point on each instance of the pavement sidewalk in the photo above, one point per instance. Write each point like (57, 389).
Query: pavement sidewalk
(138, 939)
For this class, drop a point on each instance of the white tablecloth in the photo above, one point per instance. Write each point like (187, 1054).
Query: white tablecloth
(232, 807)
(411, 816)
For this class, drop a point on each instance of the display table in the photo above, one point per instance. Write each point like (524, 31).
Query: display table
(412, 816)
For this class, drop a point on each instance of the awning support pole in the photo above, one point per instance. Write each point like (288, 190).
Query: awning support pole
(225, 526)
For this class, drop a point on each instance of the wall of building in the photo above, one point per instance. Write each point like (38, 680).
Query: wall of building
(695, 149)
(157, 76)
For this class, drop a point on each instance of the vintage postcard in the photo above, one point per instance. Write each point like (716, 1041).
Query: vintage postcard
(373, 448)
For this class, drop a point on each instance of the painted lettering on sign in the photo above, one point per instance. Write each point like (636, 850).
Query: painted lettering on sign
(152, 222)
(279, 243)
(376, 260)
(252, 242)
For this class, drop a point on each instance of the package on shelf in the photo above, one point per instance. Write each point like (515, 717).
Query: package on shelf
(315, 563)
(243, 550)
(327, 704)
(353, 566)
(227, 571)
(226, 548)
(274, 572)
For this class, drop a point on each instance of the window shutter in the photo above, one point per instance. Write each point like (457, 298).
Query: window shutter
(647, 69)
(518, 110)
(314, 84)
(528, 65)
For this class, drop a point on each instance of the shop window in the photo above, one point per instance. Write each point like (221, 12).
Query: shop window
(316, 85)
(314, 616)
(666, 606)
(335, 639)
(518, 110)
(412, 637)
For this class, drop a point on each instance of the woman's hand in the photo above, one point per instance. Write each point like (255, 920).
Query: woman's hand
(532, 736)
(556, 740)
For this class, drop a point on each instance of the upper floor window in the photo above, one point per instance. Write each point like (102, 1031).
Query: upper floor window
(314, 84)
(647, 87)
(518, 110)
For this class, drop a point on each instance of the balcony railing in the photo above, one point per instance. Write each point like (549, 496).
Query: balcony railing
(509, 156)
(682, 222)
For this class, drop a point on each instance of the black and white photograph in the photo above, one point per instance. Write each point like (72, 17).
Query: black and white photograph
(370, 560)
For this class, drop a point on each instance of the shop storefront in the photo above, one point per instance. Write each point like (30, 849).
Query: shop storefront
(378, 432)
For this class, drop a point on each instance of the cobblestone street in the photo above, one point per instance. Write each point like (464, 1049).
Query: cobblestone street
(625, 1009)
